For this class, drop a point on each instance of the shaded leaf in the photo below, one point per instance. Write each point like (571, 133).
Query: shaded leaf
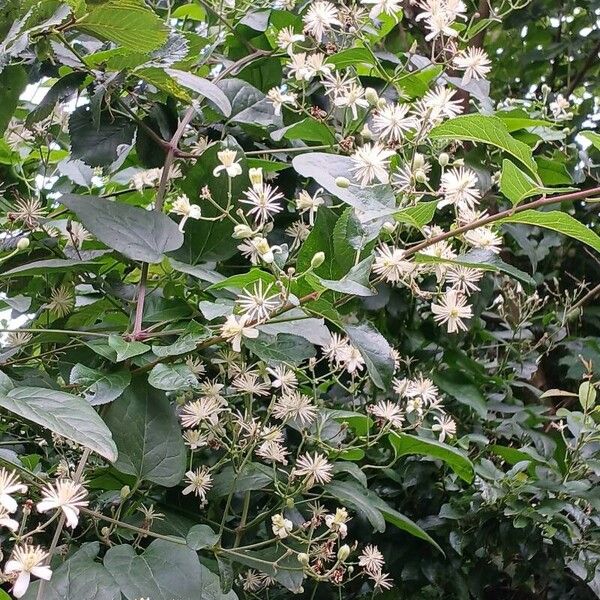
(99, 387)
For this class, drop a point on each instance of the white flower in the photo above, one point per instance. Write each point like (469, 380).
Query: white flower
(336, 344)
(297, 66)
(337, 522)
(65, 495)
(295, 405)
(200, 481)
(352, 98)
(320, 17)
(388, 7)
(283, 378)
(281, 526)
(463, 279)
(228, 164)
(474, 62)
(441, 250)
(206, 409)
(9, 485)
(351, 358)
(272, 452)
(258, 304)
(182, 207)
(6, 521)
(307, 203)
(264, 200)
(439, 104)
(452, 309)
(235, 328)
(278, 97)
(446, 427)
(27, 561)
(387, 412)
(315, 468)
(391, 121)
(371, 162)
(371, 559)
(195, 439)
(315, 65)
(459, 186)
(559, 107)
(485, 238)
(381, 580)
(337, 85)
(77, 234)
(422, 388)
(286, 38)
(390, 263)
(258, 249)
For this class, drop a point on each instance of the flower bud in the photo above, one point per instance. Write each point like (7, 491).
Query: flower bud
(418, 161)
(256, 176)
(317, 260)
(289, 502)
(343, 552)
(241, 232)
(303, 558)
(125, 491)
(420, 176)
(366, 133)
(546, 89)
(389, 227)
(459, 162)
(342, 182)
(444, 159)
(105, 532)
(23, 243)
(371, 96)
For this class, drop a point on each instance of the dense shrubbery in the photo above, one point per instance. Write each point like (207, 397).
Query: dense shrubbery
(300, 299)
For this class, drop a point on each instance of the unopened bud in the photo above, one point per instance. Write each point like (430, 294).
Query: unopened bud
(303, 558)
(420, 176)
(241, 232)
(372, 96)
(317, 260)
(342, 182)
(105, 532)
(23, 243)
(366, 133)
(289, 502)
(443, 159)
(256, 176)
(418, 161)
(343, 552)
(125, 491)
(459, 162)
(389, 227)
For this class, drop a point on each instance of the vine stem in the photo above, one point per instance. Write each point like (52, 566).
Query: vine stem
(544, 201)
(61, 522)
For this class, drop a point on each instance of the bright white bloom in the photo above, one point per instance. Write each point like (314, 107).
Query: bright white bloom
(439, 15)
(350, 357)
(381, 580)
(235, 328)
(400, 386)
(65, 495)
(295, 405)
(459, 186)
(278, 97)
(195, 439)
(484, 238)
(441, 250)
(281, 526)
(320, 17)
(315, 468)
(27, 560)
(297, 66)
(559, 107)
(423, 388)
(286, 38)
(445, 425)
(390, 263)
(283, 378)
(452, 309)
(371, 162)
(474, 62)
(307, 203)
(273, 452)
(439, 104)
(228, 164)
(77, 235)
(9, 485)
(337, 84)
(200, 481)
(391, 121)
(464, 279)
(206, 409)
(182, 207)
(337, 522)
(371, 559)
(258, 249)
(352, 98)
(387, 7)
(337, 343)
(258, 304)
(387, 412)
(316, 65)
(248, 383)
(6, 521)
(264, 200)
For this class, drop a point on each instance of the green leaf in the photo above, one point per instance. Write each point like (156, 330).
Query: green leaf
(78, 578)
(171, 377)
(283, 348)
(13, 80)
(252, 477)
(200, 537)
(355, 282)
(308, 130)
(557, 221)
(405, 444)
(99, 387)
(249, 105)
(350, 58)
(244, 280)
(552, 171)
(204, 87)
(125, 349)
(67, 415)
(136, 233)
(98, 145)
(455, 384)
(376, 352)
(147, 434)
(488, 130)
(593, 137)
(361, 424)
(185, 344)
(401, 521)
(42, 267)
(128, 23)
(517, 186)
(587, 396)
(419, 215)
(164, 571)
